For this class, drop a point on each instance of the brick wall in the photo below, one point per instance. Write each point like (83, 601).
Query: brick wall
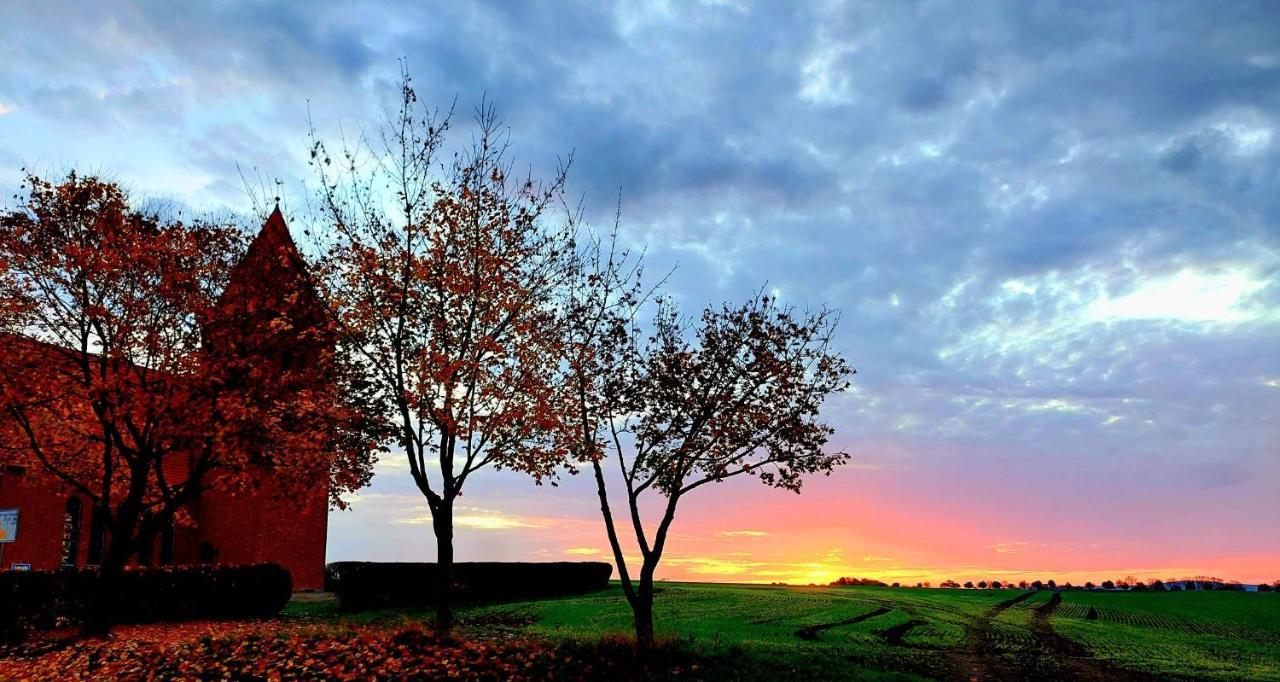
(41, 510)
(249, 528)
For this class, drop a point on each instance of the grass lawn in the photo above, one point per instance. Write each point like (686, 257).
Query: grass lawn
(708, 631)
(885, 633)
(1208, 634)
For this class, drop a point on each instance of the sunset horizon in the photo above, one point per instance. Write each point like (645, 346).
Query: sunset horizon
(445, 310)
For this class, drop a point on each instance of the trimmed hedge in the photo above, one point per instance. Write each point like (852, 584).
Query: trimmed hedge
(45, 599)
(366, 584)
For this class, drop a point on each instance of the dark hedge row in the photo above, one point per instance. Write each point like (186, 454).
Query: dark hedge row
(364, 585)
(45, 599)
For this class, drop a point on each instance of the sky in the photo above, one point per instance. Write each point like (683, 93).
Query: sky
(1052, 230)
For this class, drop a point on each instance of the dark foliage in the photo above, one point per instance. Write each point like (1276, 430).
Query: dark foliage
(364, 585)
(845, 582)
(31, 600)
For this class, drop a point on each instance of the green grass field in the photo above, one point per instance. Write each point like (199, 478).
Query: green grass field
(756, 632)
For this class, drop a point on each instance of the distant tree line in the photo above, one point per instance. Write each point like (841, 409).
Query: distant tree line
(1128, 583)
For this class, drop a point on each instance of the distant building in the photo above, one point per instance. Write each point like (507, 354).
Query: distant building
(56, 527)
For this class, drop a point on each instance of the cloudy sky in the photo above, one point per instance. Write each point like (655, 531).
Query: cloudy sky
(1053, 231)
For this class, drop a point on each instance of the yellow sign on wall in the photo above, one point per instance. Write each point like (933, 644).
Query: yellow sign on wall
(8, 525)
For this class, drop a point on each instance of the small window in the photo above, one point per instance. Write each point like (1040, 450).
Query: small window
(166, 545)
(293, 361)
(71, 532)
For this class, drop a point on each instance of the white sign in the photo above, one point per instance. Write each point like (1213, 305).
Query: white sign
(8, 525)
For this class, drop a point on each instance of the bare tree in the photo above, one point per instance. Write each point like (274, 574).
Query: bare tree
(692, 402)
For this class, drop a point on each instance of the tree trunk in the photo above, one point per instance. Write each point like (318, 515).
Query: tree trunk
(643, 610)
(443, 523)
(102, 602)
(642, 607)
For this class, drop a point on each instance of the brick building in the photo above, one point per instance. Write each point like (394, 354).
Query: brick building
(56, 527)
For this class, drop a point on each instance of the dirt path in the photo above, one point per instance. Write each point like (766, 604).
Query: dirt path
(811, 632)
(1071, 658)
(1051, 656)
(978, 657)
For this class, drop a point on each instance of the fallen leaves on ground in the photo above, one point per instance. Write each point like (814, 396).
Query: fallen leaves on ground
(284, 651)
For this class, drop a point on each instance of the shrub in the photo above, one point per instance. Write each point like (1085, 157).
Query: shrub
(365, 584)
(45, 599)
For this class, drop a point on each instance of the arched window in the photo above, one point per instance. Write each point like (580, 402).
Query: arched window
(97, 536)
(71, 532)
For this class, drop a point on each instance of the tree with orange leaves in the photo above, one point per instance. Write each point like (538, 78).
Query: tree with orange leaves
(442, 279)
(109, 387)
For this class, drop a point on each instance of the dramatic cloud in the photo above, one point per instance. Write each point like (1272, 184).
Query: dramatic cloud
(1052, 229)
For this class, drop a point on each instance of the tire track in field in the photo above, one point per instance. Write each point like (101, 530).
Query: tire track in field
(1051, 656)
(978, 657)
(893, 636)
(1071, 659)
(811, 632)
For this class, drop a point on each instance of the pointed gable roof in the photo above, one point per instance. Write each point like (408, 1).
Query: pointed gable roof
(272, 257)
(272, 275)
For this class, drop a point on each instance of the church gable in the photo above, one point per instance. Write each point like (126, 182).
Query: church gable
(272, 276)
(270, 306)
